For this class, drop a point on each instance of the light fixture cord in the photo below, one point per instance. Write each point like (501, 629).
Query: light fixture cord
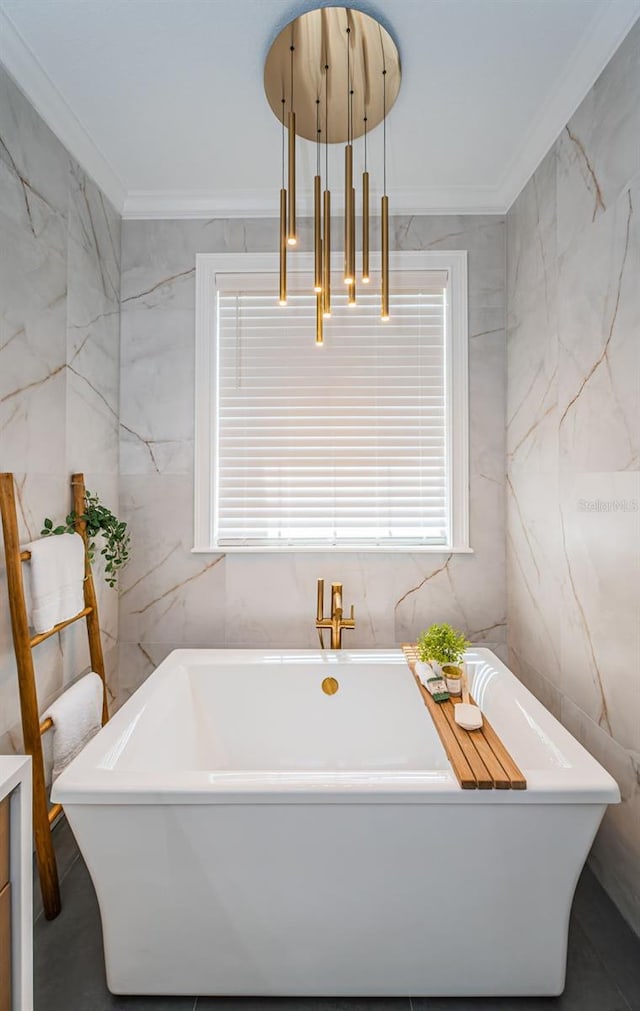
(283, 107)
(384, 130)
(348, 86)
(326, 126)
(384, 114)
(318, 132)
(292, 50)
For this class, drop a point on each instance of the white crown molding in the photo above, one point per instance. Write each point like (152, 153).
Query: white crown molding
(606, 33)
(158, 204)
(32, 79)
(604, 36)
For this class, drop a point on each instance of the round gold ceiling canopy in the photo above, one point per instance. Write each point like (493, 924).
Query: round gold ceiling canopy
(320, 39)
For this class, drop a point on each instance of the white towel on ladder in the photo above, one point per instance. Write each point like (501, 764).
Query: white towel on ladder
(55, 580)
(77, 717)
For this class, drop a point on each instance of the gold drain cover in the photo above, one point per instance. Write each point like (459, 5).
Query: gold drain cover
(330, 686)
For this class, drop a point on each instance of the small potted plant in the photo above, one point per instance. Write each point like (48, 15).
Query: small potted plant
(442, 648)
(101, 522)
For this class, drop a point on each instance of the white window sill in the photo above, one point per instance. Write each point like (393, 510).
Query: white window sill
(404, 549)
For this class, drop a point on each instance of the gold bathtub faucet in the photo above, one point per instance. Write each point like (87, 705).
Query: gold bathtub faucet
(336, 622)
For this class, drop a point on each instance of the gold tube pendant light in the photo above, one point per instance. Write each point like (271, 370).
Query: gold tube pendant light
(283, 225)
(326, 201)
(365, 213)
(317, 212)
(351, 290)
(348, 175)
(326, 255)
(352, 209)
(317, 234)
(319, 321)
(362, 89)
(384, 313)
(348, 219)
(384, 210)
(283, 247)
(365, 228)
(352, 230)
(292, 238)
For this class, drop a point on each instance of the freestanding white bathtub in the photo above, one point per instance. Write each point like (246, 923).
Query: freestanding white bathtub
(249, 834)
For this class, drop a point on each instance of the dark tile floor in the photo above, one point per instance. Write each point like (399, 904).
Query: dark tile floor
(603, 969)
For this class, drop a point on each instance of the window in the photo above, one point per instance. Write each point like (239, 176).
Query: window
(357, 445)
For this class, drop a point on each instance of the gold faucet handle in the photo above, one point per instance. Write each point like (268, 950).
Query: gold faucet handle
(320, 604)
(349, 622)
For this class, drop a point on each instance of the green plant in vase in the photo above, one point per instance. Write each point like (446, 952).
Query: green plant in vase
(445, 646)
(101, 522)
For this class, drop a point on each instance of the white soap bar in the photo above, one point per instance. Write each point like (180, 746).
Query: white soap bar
(467, 716)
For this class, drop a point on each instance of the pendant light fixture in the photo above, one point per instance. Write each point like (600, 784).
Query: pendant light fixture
(326, 207)
(348, 174)
(365, 213)
(292, 237)
(343, 68)
(283, 227)
(384, 209)
(317, 236)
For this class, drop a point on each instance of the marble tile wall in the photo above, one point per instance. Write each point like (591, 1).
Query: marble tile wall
(171, 597)
(573, 445)
(566, 376)
(59, 364)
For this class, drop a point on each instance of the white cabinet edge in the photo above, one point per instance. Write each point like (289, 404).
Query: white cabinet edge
(15, 780)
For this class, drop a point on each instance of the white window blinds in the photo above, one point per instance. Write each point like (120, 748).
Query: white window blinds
(341, 445)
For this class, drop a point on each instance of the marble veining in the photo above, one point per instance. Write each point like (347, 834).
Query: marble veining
(171, 597)
(97, 374)
(59, 367)
(598, 150)
(573, 444)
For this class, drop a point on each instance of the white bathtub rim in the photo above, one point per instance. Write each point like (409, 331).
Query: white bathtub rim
(83, 782)
(169, 795)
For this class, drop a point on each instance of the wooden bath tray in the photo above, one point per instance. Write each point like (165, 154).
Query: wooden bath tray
(478, 757)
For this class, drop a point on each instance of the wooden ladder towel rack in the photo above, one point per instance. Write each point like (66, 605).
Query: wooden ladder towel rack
(24, 643)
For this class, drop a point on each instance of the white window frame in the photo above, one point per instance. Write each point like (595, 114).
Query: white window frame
(208, 266)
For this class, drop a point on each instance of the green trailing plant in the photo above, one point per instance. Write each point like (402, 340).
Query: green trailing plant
(443, 644)
(102, 523)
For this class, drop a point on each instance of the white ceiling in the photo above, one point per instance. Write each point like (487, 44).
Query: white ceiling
(162, 100)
